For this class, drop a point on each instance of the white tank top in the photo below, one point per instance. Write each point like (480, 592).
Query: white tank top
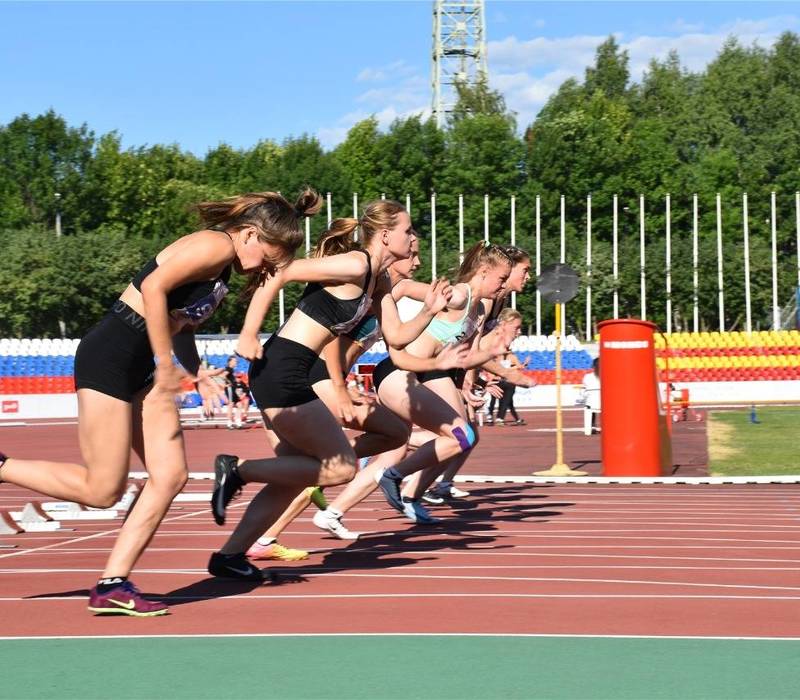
(408, 308)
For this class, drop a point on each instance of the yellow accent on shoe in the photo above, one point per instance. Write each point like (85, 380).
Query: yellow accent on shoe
(278, 552)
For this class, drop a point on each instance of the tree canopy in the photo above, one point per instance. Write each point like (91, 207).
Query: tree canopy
(730, 129)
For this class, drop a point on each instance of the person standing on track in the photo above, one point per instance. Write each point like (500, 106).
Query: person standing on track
(127, 382)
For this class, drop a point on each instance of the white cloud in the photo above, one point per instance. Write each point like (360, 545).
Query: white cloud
(330, 137)
(371, 75)
(405, 97)
(680, 25)
(528, 72)
(382, 73)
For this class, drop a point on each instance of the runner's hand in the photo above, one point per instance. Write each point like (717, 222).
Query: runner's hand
(249, 347)
(493, 387)
(438, 295)
(453, 356)
(168, 378)
(210, 390)
(344, 404)
(473, 399)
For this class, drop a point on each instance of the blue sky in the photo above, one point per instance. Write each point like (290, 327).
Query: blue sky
(201, 73)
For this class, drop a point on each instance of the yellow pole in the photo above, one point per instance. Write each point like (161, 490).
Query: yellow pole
(559, 468)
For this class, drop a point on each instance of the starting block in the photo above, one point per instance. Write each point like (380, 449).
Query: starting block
(34, 518)
(67, 510)
(8, 526)
(129, 497)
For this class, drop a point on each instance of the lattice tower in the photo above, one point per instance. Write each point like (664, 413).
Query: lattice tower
(459, 52)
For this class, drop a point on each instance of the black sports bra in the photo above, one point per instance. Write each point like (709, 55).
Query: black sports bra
(193, 302)
(492, 319)
(339, 316)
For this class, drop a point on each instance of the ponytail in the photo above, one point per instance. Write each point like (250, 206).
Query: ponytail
(275, 218)
(516, 255)
(337, 239)
(483, 253)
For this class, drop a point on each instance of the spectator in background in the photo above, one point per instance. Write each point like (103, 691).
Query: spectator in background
(591, 398)
(507, 361)
(237, 395)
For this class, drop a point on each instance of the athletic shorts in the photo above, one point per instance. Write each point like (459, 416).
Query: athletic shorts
(281, 377)
(115, 357)
(319, 371)
(385, 367)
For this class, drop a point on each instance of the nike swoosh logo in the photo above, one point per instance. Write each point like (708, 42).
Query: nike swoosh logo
(128, 606)
(243, 572)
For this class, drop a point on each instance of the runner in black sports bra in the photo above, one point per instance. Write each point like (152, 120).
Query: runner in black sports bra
(115, 356)
(127, 381)
(280, 378)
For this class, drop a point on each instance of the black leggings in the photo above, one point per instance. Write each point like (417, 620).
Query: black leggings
(506, 403)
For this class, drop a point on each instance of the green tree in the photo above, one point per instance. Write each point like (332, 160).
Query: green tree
(39, 157)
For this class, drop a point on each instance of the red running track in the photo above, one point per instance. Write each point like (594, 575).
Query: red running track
(566, 559)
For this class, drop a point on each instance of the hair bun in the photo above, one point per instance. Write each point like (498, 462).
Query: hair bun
(308, 203)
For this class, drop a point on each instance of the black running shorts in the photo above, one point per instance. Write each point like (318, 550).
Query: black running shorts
(281, 377)
(115, 357)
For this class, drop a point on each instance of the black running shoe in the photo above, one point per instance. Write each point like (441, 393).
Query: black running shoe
(391, 490)
(227, 485)
(234, 566)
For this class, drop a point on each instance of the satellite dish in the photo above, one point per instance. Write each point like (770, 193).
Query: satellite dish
(558, 283)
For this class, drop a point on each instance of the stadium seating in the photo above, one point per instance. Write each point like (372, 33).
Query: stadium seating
(45, 366)
(728, 356)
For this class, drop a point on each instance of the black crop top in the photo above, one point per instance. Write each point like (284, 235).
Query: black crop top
(339, 316)
(193, 302)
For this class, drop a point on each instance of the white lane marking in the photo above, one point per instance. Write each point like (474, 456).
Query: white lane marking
(525, 635)
(625, 596)
(507, 579)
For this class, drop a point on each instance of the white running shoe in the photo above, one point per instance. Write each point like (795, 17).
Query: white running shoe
(416, 513)
(330, 522)
(448, 491)
(458, 493)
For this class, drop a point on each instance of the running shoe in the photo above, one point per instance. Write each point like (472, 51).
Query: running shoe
(332, 522)
(227, 485)
(448, 491)
(234, 566)
(318, 498)
(391, 490)
(415, 512)
(431, 497)
(275, 551)
(520, 421)
(124, 599)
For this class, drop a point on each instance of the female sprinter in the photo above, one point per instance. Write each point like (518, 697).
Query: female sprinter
(313, 448)
(126, 380)
(431, 400)
(520, 274)
(383, 430)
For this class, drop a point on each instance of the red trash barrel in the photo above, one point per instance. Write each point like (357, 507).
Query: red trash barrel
(634, 438)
